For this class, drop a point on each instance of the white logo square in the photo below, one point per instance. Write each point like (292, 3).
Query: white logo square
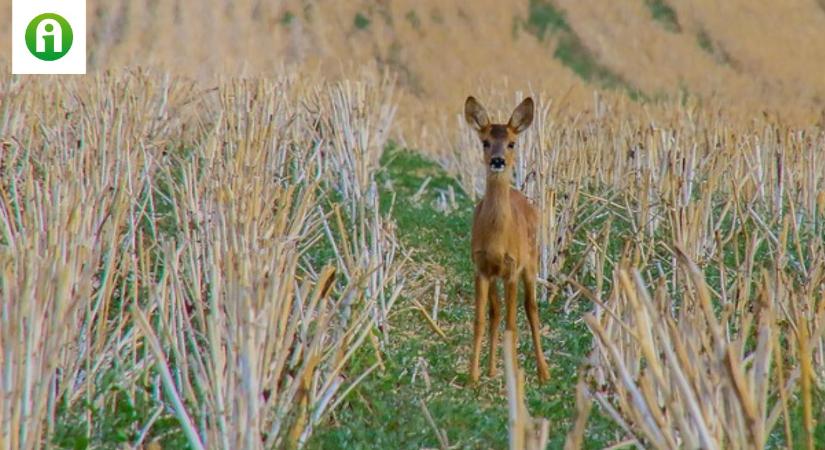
(48, 37)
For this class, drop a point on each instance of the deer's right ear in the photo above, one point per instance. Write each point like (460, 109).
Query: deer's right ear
(475, 114)
(522, 116)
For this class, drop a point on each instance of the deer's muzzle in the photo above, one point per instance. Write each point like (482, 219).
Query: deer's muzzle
(497, 164)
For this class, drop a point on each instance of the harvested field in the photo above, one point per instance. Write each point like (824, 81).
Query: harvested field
(248, 227)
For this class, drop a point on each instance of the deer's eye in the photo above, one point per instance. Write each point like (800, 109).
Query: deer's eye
(511, 145)
(485, 143)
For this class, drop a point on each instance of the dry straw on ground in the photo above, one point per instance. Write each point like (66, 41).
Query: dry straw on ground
(161, 232)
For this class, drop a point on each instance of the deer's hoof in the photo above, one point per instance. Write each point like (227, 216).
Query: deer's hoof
(474, 376)
(491, 372)
(544, 374)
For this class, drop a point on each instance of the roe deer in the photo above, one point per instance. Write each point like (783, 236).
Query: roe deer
(504, 236)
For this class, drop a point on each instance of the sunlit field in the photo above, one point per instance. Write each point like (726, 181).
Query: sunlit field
(248, 227)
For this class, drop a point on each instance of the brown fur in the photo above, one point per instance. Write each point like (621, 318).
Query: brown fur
(503, 239)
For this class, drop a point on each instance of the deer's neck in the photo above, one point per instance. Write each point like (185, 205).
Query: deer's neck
(497, 198)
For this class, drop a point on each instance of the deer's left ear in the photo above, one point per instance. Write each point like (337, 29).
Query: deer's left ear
(522, 116)
(475, 114)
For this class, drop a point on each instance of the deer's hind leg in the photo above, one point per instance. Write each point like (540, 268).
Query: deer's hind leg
(495, 321)
(530, 306)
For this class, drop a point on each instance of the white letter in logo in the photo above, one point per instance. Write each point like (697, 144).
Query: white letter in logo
(49, 27)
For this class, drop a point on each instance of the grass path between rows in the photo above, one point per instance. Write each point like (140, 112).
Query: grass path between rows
(421, 368)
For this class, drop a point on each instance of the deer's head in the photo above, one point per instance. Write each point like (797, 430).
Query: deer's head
(498, 140)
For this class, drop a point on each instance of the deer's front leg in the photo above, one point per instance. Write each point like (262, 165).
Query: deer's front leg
(495, 320)
(482, 291)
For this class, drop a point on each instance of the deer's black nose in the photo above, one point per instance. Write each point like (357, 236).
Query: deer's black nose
(497, 163)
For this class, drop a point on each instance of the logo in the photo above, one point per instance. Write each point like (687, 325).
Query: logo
(49, 37)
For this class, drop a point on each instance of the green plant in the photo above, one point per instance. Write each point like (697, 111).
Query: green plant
(663, 13)
(545, 19)
(287, 17)
(361, 21)
(704, 41)
(412, 18)
(707, 44)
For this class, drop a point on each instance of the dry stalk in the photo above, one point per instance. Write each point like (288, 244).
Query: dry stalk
(526, 433)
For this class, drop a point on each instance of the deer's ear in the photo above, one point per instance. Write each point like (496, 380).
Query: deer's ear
(522, 116)
(475, 114)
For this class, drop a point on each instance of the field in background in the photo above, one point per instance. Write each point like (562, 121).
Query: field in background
(737, 55)
(217, 241)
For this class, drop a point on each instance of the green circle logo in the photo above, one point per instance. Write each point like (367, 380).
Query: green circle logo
(49, 37)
